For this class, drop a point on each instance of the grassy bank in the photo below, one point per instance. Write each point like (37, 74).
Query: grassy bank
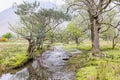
(96, 68)
(12, 54)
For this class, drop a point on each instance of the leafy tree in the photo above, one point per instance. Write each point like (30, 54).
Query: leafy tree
(108, 32)
(66, 36)
(7, 35)
(95, 10)
(59, 34)
(75, 32)
(35, 22)
(51, 36)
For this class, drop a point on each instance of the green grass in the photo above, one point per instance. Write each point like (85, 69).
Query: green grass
(12, 54)
(56, 44)
(89, 71)
(85, 46)
(96, 68)
(102, 71)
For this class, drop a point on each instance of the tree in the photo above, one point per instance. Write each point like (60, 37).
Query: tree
(95, 9)
(51, 36)
(36, 22)
(66, 36)
(59, 34)
(75, 32)
(7, 35)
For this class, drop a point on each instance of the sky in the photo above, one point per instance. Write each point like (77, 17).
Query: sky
(4, 4)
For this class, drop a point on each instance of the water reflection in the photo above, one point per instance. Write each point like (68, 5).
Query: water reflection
(34, 71)
(39, 72)
(49, 66)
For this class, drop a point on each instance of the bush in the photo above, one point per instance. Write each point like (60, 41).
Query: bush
(7, 35)
(3, 39)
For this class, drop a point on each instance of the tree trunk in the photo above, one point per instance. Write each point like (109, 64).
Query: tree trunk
(30, 49)
(67, 42)
(114, 43)
(51, 40)
(95, 35)
(77, 41)
(32, 73)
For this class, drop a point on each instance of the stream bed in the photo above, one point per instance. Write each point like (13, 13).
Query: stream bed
(51, 65)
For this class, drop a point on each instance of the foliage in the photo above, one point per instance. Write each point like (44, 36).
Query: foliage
(84, 46)
(75, 30)
(7, 35)
(13, 54)
(98, 15)
(36, 22)
(96, 68)
(51, 36)
(3, 39)
(90, 73)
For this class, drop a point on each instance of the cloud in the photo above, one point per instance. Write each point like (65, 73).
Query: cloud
(58, 2)
(4, 4)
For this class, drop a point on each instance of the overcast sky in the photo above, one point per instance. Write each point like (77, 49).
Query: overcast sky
(4, 4)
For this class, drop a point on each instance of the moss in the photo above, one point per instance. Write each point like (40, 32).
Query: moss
(12, 54)
(87, 73)
(96, 68)
(101, 71)
(15, 60)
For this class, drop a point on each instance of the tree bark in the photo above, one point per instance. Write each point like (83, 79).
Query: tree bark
(114, 43)
(30, 49)
(95, 35)
(77, 41)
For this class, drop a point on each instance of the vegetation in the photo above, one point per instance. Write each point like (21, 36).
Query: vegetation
(7, 35)
(93, 28)
(96, 68)
(35, 25)
(3, 39)
(93, 13)
(75, 32)
(13, 54)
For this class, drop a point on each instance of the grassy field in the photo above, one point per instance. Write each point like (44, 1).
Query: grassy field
(96, 68)
(12, 54)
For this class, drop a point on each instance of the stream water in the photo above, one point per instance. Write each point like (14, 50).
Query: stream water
(49, 66)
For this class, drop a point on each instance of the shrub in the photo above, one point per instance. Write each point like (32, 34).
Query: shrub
(3, 39)
(7, 35)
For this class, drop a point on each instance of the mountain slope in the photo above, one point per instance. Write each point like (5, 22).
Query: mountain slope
(8, 16)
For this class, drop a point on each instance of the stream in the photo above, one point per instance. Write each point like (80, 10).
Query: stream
(51, 65)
